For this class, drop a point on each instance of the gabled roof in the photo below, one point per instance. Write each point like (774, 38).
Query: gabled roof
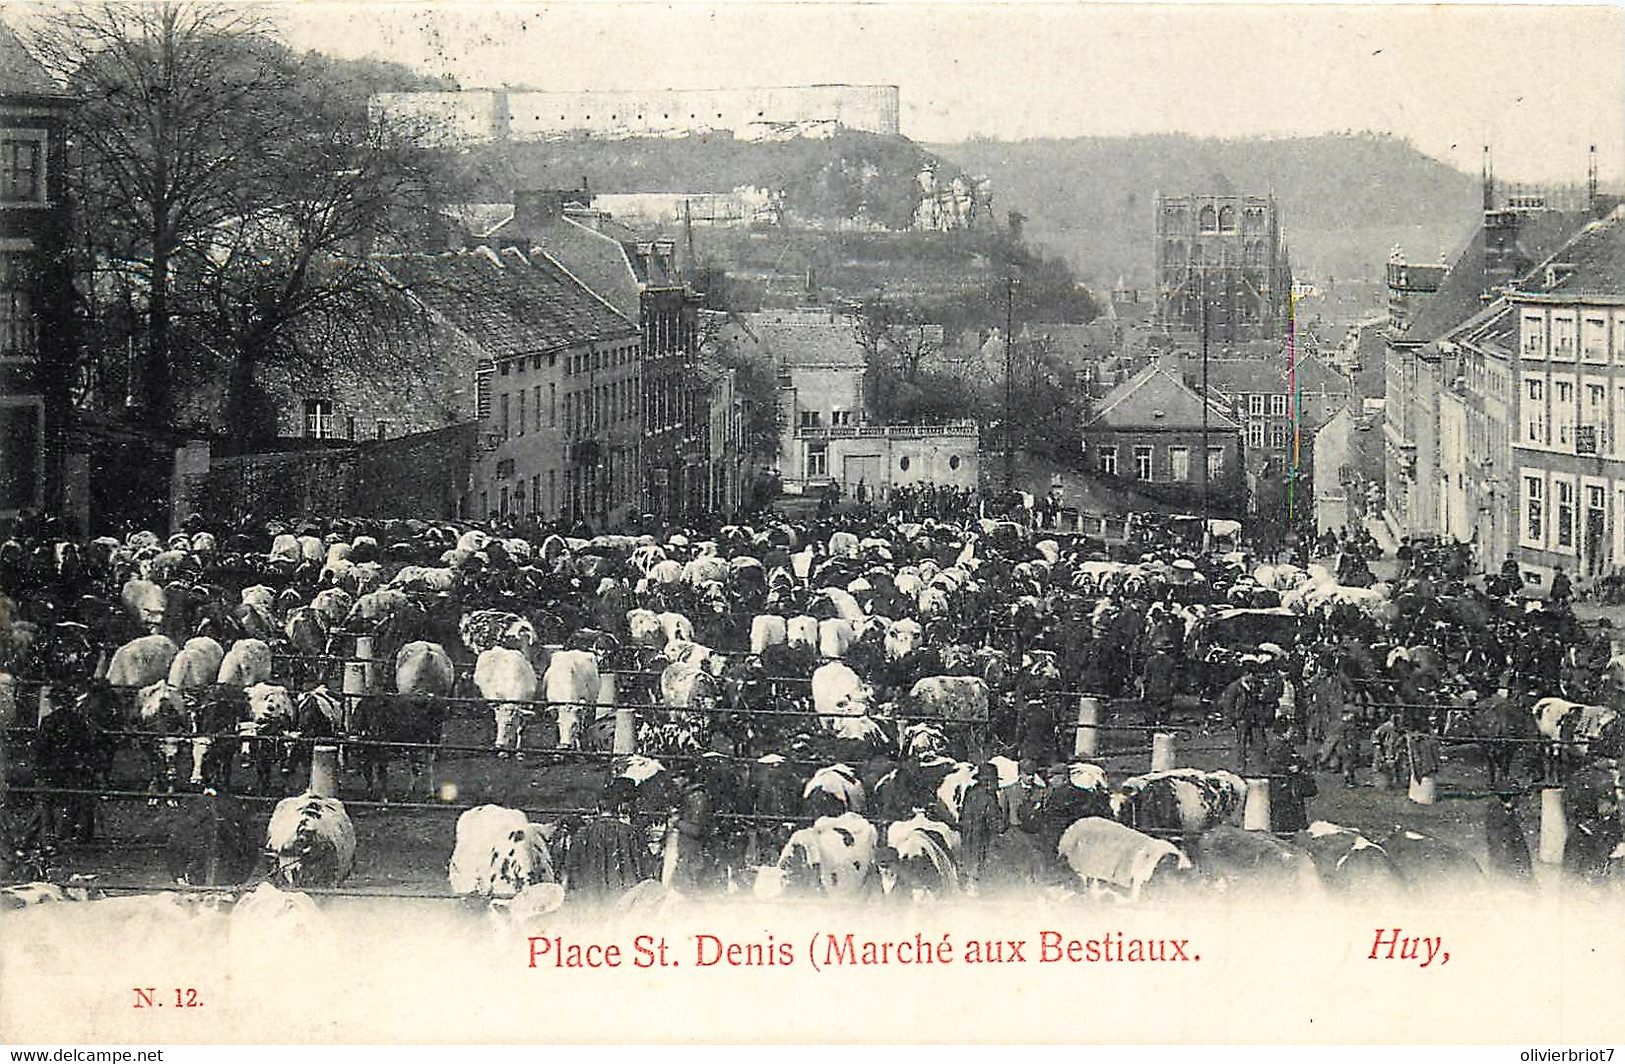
(509, 304)
(1156, 398)
(1460, 295)
(1246, 376)
(804, 340)
(1592, 264)
(20, 73)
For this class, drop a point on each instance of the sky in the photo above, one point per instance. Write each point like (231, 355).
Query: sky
(1539, 83)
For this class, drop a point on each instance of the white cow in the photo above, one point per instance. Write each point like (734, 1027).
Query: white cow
(644, 629)
(498, 854)
(802, 631)
(247, 663)
(843, 701)
(835, 637)
(506, 677)
(839, 849)
(570, 682)
(902, 638)
(1102, 851)
(768, 630)
(313, 841)
(142, 661)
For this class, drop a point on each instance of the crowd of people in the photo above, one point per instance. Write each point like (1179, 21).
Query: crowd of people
(1371, 682)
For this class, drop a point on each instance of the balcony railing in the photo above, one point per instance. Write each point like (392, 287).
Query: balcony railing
(897, 432)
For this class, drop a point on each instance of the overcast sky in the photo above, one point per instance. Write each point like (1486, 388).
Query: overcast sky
(1538, 83)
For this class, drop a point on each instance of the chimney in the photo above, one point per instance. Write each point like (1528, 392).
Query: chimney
(1487, 177)
(536, 209)
(1591, 182)
(666, 254)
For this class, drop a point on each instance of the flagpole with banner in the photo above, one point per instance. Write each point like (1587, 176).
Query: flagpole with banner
(1297, 402)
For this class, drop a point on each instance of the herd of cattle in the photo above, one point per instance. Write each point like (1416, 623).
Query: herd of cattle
(830, 709)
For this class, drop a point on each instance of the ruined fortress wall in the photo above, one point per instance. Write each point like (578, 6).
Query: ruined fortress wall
(473, 117)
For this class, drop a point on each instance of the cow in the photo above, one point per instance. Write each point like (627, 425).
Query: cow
(903, 638)
(678, 629)
(644, 628)
(842, 702)
(247, 663)
(484, 630)
(306, 631)
(836, 636)
(1105, 854)
(213, 843)
(1348, 862)
(768, 630)
(197, 665)
(1429, 865)
(1230, 859)
(142, 661)
(423, 679)
(834, 787)
(506, 677)
(802, 631)
(1577, 726)
(836, 856)
(498, 853)
(334, 604)
(312, 841)
(570, 682)
(1182, 799)
(918, 860)
(146, 602)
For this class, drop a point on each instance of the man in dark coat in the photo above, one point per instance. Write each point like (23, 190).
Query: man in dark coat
(693, 828)
(981, 820)
(64, 756)
(609, 856)
(1504, 840)
(1561, 591)
(1292, 783)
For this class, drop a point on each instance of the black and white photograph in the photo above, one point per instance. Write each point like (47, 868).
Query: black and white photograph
(811, 522)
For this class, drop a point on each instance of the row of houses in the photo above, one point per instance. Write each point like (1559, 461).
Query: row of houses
(1505, 404)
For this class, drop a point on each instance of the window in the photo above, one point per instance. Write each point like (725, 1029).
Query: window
(1255, 434)
(1534, 410)
(817, 464)
(840, 417)
(1279, 434)
(19, 333)
(552, 485)
(1534, 336)
(521, 411)
(349, 428)
(1215, 462)
(810, 419)
(504, 418)
(1107, 462)
(1227, 219)
(1563, 410)
(482, 393)
(1179, 463)
(1142, 462)
(1534, 497)
(1563, 336)
(552, 405)
(1208, 219)
(22, 167)
(1594, 338)
(1255, 405)
(902, 463)
(1565, 512)
(380, 430)
(536, 404)
(21, 443)
(319, 419)
(1278, 406)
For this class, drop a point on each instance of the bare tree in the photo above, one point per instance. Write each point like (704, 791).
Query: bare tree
(175, 106)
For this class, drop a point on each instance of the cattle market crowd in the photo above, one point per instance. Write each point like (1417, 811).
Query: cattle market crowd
(917, 704)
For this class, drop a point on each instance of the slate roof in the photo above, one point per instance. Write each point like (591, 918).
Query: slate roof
(1592, 264)
(794, 341)
(1246, 376)
(1460, 295)
(20, 73)
(509, 304)
(1156, 398)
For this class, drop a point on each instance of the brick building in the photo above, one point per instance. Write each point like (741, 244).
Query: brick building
(36, 282)
(1147, 434)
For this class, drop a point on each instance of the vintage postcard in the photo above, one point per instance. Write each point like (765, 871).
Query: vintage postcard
(811, 522)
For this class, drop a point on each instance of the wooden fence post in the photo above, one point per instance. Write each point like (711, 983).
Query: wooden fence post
(1163, 755)
(324, 771)
(8, 716)
(1256, 816)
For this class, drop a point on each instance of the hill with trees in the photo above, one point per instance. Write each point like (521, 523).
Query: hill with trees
(1345, 200)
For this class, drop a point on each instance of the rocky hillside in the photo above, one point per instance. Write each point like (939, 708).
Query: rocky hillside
(1345, 200)
(850, 177)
